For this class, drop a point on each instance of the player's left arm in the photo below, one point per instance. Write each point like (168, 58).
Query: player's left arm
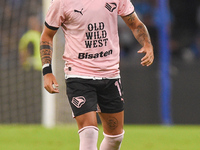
(141, 34)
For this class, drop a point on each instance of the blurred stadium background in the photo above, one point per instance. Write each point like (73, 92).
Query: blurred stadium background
(21, 102)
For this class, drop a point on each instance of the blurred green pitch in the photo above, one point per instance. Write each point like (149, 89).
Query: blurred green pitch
(137, 137)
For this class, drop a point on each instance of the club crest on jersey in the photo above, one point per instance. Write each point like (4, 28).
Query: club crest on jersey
(111, 6)
(78, 101)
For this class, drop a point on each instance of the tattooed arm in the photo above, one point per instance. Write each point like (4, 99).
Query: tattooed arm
(140, 32)
(46, 50)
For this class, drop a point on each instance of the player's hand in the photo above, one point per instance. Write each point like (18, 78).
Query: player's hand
(50, 83)
(148, 58)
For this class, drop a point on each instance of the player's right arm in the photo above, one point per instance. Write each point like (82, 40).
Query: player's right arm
(46, 50)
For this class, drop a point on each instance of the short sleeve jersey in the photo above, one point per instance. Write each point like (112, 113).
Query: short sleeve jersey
(91, 34)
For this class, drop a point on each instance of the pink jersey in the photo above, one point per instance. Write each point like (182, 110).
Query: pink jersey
(91, 34)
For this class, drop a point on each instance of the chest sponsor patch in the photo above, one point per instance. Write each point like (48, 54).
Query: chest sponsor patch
(96, 55)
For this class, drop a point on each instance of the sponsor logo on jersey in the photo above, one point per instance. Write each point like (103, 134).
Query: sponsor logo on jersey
(96, 55)
(79, 11)
(111, 6)
(96, 35)
(78, 101)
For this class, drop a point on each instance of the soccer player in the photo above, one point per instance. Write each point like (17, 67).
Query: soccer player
(92, 63)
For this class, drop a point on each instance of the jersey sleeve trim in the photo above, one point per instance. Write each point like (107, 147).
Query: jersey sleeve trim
(128, 14)
(50, 27)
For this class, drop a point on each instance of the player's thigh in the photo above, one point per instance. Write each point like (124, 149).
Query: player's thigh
(87, 119)
(112, 122)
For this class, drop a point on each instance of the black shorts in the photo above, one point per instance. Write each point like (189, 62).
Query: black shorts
(85, 95)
